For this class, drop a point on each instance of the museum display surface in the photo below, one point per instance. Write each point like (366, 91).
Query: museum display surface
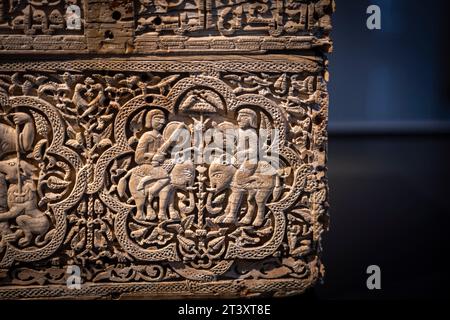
(162, 149)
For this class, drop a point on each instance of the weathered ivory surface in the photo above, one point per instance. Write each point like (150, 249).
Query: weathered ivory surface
(162, 149)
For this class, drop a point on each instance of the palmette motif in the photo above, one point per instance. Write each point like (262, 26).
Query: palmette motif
(163, 176)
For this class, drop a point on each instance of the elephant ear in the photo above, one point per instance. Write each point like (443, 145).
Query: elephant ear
(122, 187)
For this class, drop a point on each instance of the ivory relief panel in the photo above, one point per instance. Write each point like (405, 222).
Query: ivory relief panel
(196, 174)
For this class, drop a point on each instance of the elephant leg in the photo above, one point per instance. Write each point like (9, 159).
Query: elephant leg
(150, 213)
(140, 207)
(164, 198)
(232, 209)
(24, 223)
(173, 213)
(251, 206)
(261, 199)
(156, 189)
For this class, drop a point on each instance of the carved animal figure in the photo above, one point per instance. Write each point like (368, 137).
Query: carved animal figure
(140, 181)
(253, 178)
(22, 206)
(220, 176)
(257, 182)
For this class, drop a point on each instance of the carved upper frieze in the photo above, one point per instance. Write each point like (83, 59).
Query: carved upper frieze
(163, 26)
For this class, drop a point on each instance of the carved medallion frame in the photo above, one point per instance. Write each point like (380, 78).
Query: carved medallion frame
(89, 116)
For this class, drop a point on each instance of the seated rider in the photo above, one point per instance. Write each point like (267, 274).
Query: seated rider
(150, 158)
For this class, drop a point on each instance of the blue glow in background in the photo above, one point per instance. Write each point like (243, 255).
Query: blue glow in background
(397, 77)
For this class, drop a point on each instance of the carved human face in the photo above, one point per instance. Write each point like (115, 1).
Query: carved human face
(158, 122)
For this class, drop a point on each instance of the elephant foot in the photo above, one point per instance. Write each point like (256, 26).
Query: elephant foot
(259, 221)
(226, 219)
(246, 220)
(140, 215)
(174, 215)
(151, 214)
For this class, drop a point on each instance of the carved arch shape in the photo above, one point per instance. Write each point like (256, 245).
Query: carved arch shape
(123, 211)
(235, 251)
(185, 85)
(121, 146)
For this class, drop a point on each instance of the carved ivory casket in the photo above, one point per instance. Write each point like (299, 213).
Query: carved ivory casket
(162, 149)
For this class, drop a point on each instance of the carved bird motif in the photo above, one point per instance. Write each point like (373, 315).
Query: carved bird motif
(110, 81)
(306, 86)
(54, 89)
(131, 82)
(281, 85)
(257, 80)
(163, 84)
(26, 86)
(10, 83)
(71, 79)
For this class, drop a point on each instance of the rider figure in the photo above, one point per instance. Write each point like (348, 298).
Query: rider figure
(149, 154)
(247, 158)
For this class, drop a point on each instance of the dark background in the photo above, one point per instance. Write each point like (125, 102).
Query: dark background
(389, 152)
(393, 79)
(389, 159)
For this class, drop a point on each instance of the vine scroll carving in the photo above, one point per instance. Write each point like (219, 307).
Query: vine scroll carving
(168, 176)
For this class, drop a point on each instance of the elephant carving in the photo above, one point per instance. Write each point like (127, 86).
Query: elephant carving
(220, 177)
(257, 181)
(254, 177)
(144, 186)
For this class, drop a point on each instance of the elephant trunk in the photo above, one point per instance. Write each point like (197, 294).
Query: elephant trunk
(123, 183)
(188, 209)
(209, 206)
